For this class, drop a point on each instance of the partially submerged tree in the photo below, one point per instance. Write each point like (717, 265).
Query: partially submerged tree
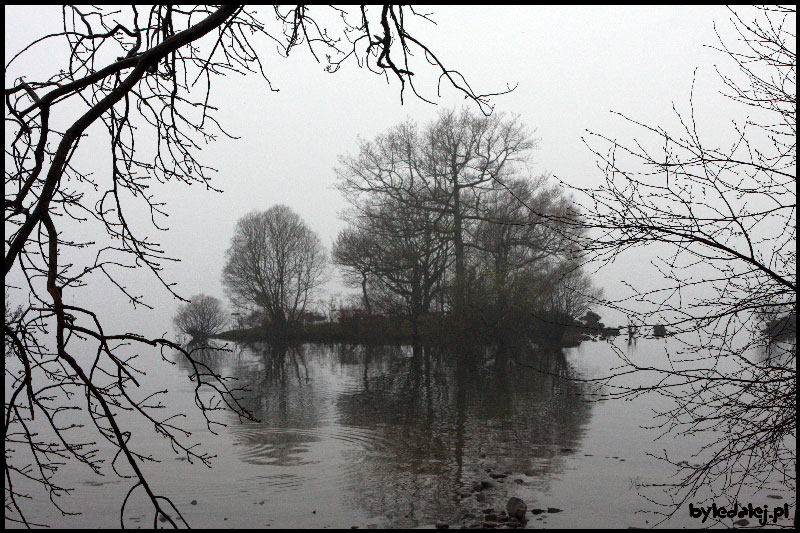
(721, 215)
(275, 263)
(140, 80)
(201, 318)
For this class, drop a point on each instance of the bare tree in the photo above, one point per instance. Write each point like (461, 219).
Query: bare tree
(139, 80)
(558, 294)
(720, 218)
(398, 254)
(201, 318)
(453, 196)
(442, 168)
(275, 262)
(354, 250)
(527, 230)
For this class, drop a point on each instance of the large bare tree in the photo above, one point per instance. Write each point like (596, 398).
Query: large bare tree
(449, 209)
(275, 263)
(443, 168)
(528, 229)
(355, 250)
(140, 82)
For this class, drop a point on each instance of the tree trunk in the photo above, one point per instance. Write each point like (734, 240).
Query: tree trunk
(364, 291)
(458, 240)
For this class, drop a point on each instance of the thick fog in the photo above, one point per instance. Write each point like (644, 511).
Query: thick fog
(569, 66)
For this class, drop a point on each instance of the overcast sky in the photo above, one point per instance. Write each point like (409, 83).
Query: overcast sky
(571, 66)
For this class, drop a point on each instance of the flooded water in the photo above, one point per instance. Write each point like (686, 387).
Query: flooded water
(387, 436)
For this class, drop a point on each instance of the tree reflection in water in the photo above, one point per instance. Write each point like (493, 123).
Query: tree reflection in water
(280, 394)
(446, 416)
(410, 430)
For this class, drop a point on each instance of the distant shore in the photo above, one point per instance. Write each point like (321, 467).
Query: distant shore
(381, 330)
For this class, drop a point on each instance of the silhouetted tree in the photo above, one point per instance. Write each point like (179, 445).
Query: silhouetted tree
(561, 293)
(720, 217)
(400, 257)
(442, 169)
(446, 207)
(528, 260)
(141, 80)
(201, 318)
(354, 250)
(275, 262)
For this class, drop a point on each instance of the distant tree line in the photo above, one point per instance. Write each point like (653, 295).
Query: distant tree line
(446, 230)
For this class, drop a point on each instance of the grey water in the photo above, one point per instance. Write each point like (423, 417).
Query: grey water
(398, 436)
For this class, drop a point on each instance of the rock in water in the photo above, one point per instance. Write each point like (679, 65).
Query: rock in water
(516, 508)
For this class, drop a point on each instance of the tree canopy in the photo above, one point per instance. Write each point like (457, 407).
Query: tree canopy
(275, 263)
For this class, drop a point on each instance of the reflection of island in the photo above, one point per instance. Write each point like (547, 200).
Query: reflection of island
(401, 433)
(208, 358)
(280, 395)
(446, 418)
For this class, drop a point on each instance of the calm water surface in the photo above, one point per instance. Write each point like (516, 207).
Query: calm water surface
(396, 437)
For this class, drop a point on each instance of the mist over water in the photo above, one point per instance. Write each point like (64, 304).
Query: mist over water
(397, 436)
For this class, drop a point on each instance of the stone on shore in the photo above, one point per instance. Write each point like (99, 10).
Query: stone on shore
(516, 508)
